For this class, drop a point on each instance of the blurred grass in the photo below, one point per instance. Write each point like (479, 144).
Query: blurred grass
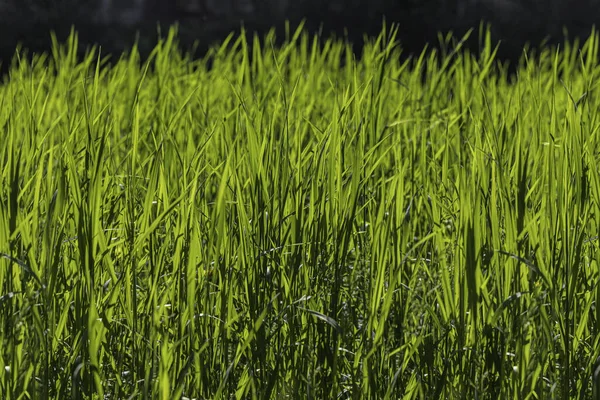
(514, 23)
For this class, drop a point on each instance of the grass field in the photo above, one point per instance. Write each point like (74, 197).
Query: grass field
(301, 223)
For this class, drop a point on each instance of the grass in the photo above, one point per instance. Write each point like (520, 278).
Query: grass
(300, 223)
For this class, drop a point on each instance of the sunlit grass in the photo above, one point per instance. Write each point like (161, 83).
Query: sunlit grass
(298, 223)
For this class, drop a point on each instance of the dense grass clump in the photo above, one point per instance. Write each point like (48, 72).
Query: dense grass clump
(297, 223)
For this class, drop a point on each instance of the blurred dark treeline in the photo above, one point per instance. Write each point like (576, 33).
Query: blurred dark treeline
(115, 24)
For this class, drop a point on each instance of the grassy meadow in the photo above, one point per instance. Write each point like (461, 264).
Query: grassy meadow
(300, 222)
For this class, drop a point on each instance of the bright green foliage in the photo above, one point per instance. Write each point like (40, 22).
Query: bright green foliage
(296, 223)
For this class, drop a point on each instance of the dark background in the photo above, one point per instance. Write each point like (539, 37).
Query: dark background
(514, 23)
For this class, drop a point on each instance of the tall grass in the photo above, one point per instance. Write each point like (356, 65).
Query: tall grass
(299, 223)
